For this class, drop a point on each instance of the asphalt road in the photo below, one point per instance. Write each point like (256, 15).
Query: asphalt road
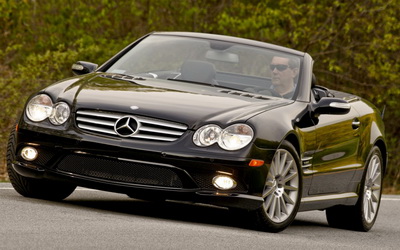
(91, 219)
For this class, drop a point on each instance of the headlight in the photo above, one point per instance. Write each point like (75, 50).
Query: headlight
(41, 107)
(234, 137)
(207, 135)
(60, 113)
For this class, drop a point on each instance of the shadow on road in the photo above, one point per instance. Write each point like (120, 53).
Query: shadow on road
(178, 211)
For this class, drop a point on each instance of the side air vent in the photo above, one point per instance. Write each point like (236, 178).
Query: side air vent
(245, 94)
(123, 77)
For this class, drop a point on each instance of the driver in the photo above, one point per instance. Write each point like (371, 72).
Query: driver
(284, 72)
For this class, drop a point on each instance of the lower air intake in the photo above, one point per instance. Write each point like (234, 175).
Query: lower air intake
(121, 171)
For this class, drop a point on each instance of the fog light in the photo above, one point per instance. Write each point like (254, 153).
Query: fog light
(223, 182)
(29, 153)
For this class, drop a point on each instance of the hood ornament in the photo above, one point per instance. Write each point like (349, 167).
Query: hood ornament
(134, 107)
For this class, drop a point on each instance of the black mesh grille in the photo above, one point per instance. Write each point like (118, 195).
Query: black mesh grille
(122, 171)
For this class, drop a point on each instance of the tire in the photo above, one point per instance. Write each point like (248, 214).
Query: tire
(362, 216)
(34, 188)
(282, 191)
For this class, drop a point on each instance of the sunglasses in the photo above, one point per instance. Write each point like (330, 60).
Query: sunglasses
(280, 67)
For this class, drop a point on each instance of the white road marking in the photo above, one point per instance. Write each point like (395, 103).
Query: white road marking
(390, 199)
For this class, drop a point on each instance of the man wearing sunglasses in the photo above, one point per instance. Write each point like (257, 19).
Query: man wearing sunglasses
(284, 71)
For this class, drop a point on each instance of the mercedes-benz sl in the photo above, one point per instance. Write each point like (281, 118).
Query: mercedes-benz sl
(208, 119)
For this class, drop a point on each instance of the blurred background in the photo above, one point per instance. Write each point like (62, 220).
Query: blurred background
(355, 45)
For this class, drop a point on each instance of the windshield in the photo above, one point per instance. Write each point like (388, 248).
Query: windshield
(212, 62)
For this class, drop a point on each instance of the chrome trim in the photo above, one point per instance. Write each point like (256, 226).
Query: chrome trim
(96, 129)
(149, 129)
(329, 197)
(340, 105)
(306, 162)
(89, 120)
(156, 138)
(100, 114)
(160, 131)
(351, 98)
(161, 123)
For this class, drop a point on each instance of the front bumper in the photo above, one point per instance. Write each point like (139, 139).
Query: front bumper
(140, 173)
(223, 199)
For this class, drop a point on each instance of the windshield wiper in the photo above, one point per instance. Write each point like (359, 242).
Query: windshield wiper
(225, 87)
(187, 81)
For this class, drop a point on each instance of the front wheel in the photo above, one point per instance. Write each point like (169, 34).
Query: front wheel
(282, 191)
(362, 216)
(34, 188)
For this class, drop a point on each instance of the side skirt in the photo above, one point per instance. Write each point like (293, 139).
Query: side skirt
(316, 202)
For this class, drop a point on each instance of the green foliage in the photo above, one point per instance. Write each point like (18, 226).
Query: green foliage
(355, 44)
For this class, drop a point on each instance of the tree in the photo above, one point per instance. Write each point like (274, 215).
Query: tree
(355, 44)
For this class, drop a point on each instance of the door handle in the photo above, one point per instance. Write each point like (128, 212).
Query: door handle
(355, 124)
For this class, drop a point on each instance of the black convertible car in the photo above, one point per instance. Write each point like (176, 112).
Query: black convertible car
(208, 119)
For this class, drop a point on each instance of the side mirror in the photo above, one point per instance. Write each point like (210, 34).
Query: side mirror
(81, 67)
(331, 106)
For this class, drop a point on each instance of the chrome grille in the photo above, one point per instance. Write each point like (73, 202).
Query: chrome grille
(149, 129)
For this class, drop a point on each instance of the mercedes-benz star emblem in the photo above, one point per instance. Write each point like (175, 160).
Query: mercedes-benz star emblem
(126, 126)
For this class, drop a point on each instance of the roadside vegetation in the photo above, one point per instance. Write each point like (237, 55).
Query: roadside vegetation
(355, 44)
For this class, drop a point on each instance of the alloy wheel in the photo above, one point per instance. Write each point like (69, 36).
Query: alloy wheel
(372, 188)
(282, 187)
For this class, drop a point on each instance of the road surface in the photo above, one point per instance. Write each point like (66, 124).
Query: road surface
(91, 219)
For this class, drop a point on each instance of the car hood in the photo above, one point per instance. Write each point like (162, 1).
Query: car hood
(187, 103)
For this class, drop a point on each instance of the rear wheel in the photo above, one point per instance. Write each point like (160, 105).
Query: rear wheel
(282, 191)
(34, 188)
(362, 216)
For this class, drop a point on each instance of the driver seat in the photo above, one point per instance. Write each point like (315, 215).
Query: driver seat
(198, 71)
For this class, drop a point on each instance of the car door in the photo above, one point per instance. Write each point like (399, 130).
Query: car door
(335, 159)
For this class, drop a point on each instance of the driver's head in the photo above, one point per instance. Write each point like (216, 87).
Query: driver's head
(284, 71)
